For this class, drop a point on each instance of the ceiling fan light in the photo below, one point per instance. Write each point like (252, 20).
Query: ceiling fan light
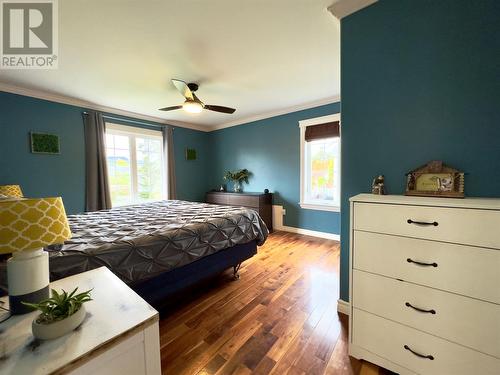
(192, 106)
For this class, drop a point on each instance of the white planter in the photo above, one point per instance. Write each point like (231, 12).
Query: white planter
(59, 328)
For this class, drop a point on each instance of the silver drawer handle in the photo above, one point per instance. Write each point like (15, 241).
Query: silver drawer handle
(428, 356)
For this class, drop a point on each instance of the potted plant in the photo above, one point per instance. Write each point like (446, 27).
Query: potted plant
(237, 177)
(60, 314)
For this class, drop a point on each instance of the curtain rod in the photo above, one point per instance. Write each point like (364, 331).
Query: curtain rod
(130, 121)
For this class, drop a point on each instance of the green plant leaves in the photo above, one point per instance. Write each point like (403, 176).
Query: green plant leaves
(238, 175)
(60, 305)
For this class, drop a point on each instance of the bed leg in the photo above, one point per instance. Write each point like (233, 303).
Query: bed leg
(236, 268)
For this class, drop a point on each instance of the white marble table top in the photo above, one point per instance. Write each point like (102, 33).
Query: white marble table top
(115, 310)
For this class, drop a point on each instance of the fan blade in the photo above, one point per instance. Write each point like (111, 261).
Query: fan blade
(219, 108)
(171, 108)
(183, 88)
(196, 99)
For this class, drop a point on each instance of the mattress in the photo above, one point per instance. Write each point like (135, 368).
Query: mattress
(142, 241)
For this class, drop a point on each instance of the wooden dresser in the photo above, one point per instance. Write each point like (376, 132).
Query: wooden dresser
(260, 202)
(425, 284)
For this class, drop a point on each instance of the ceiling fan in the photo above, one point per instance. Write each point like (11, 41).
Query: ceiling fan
(192, 104)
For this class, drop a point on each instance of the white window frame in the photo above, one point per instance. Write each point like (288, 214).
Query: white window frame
(131, 132)
(303, 125)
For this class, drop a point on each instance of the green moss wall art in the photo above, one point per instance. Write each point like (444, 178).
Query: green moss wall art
(190, 154)
(42, 143)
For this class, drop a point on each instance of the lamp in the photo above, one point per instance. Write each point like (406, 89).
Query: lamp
(192, 106)
(26, 226)
(11, 191)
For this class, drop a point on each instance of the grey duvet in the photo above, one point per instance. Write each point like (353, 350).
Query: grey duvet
(141, 241)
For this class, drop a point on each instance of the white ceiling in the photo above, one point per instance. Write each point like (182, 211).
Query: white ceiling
(258, 56)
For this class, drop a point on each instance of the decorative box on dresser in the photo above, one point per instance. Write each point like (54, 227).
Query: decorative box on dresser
(260, 202)
(425, 284)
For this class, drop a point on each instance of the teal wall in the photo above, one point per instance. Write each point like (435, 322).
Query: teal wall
(270, 149)
(64, 174)
(420, 82)
(192, 175)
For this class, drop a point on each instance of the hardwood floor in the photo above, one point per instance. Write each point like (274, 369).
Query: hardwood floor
(279, 318)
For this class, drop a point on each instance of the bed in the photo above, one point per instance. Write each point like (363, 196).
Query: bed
(159, 248)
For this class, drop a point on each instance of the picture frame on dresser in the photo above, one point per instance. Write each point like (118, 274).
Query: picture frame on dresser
(435, 179)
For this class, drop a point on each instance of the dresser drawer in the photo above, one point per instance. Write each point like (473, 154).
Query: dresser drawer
(233, 199)
(216, 198)
(244, 200)
(467, 321)
(387, 339)
(464, 226)
(471, 271)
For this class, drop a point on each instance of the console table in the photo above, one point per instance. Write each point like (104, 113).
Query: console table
(119, 335)
(260, 202)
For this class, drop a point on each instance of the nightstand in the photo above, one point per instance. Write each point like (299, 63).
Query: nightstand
(120, 334)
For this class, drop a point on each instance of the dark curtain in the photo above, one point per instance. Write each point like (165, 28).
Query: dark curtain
(168, 149)
(97, 196)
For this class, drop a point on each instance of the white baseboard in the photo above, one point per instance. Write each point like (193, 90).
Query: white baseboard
(278, 225)
(343, 307)
(308, 232)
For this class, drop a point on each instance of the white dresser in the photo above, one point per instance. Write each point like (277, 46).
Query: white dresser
(425, 284)
(119, 336)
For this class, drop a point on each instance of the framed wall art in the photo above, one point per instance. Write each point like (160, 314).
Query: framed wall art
(190, 154)
(42, 143)
(435, 179)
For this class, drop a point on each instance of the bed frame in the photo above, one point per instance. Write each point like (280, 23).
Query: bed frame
(163, 289)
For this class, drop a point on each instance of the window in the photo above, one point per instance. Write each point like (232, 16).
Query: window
(320, 163)
(135, 164)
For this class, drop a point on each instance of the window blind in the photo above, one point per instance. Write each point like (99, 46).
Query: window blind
(322, 131)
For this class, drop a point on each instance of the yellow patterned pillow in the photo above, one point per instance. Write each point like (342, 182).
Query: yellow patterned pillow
(13, 191)
(30, 224)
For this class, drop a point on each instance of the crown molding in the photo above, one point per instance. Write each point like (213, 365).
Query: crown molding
(57, 98)
(284, 111)
(39, 94)
(343, 8)
(319, 120)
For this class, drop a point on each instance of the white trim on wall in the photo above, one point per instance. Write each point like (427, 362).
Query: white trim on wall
(82, 103)
(127, 129)
(343, 8)
(308, 232)
(278, 225)
(319, 120)
(58, 98)
(319, 207)
(343, 307)
(246, 120)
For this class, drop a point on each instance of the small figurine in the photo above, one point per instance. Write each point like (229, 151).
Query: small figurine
(378, 186)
